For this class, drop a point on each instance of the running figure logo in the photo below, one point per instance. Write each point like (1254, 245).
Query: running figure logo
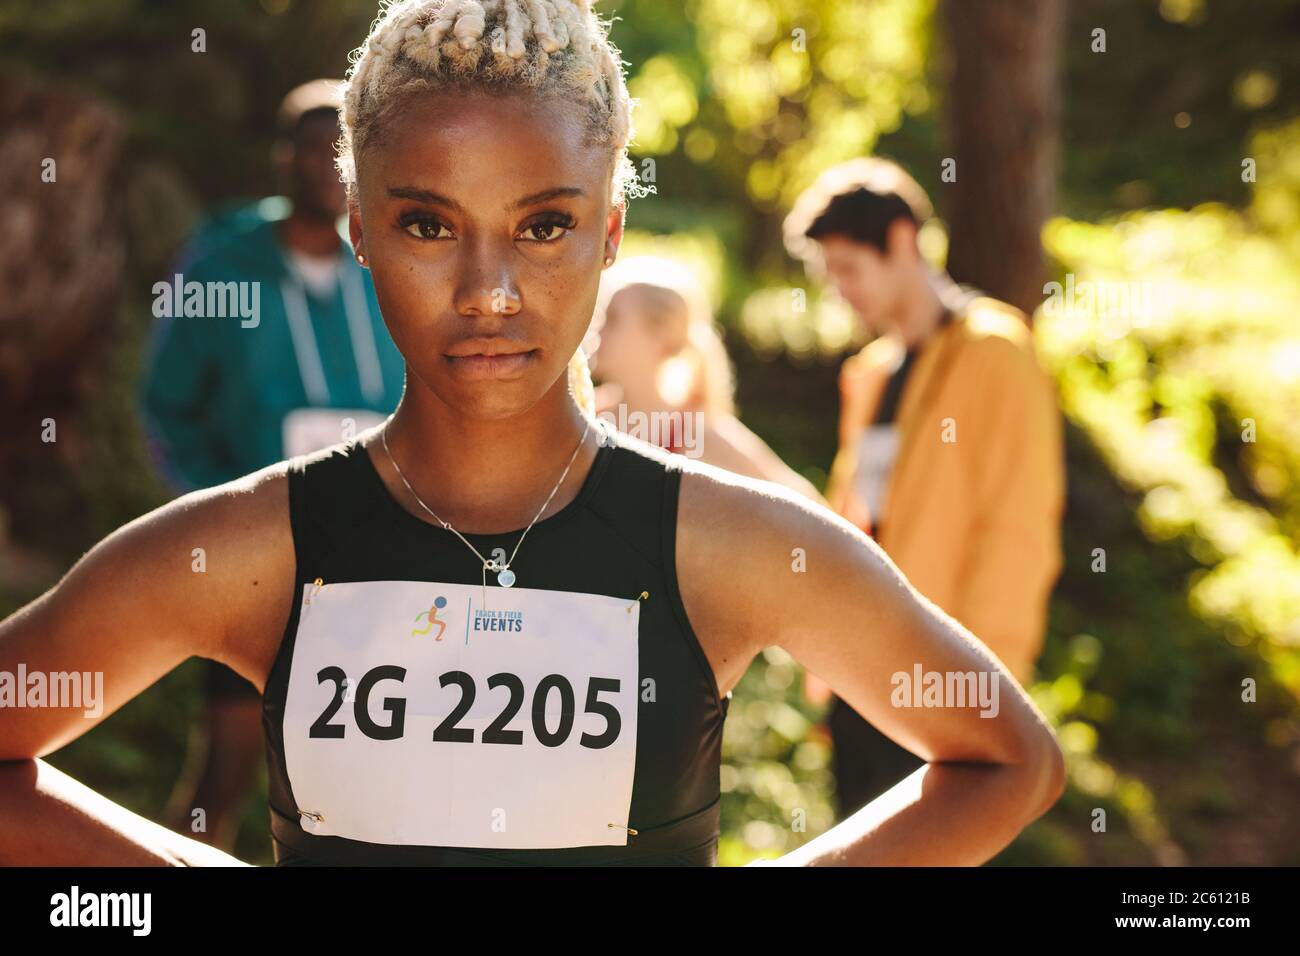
(431, 615)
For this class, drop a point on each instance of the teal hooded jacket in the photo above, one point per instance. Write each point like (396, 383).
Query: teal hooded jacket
(229, 364)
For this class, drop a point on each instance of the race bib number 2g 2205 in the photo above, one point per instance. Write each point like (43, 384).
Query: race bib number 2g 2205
(417, 716)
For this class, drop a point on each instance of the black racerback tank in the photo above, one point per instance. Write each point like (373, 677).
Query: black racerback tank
(584, 749)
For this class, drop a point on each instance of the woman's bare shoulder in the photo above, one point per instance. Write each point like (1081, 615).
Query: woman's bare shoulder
(258, 499)
(242, 523)
(239, 533)
(741, 543)
(732, 503)
(752, 525)
(209, 574)
(215, 566)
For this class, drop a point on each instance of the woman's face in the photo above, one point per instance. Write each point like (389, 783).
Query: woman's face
(629, 349)
(485, 221)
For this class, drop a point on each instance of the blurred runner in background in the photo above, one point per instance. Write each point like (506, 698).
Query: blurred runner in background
(223, 397)
(950, 443)
(664, 371)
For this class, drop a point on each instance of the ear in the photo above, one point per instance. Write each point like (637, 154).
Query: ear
(614, 231)
(900, 239)
(354, 226)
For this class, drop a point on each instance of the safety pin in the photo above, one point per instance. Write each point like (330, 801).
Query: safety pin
(630, 831)
(644, 596)
(320, 583)
(318, 817)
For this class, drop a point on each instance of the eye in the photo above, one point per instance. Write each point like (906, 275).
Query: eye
(423, 226)
(544, 228)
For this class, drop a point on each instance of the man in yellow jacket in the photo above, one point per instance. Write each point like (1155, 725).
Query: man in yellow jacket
(950, 445)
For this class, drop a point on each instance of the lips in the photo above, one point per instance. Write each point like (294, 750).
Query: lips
(497, 345)
(498, 358)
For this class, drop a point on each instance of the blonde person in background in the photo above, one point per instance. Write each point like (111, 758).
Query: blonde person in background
(663, 369)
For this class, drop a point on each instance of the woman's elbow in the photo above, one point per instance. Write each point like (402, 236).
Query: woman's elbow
(1049, 773)
(17, 793)
(1031, 755)
(17, 772)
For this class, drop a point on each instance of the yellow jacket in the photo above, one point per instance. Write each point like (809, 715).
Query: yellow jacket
(974, 500)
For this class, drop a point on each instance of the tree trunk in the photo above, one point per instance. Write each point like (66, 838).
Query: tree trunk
(1002, 121)
(62, 252)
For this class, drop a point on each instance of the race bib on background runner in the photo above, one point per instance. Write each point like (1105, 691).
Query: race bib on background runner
(305, 430)
(417, 716)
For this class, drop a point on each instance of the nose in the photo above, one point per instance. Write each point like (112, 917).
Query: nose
(486, 284)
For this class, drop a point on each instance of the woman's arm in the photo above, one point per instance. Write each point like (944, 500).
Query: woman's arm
(759, 566)
(52, 820)
(133, 607)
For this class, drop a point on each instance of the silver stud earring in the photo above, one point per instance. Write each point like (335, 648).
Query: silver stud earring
(361, 259)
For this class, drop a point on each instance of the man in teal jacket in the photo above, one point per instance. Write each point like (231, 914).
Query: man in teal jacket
(225, 395)
(269, 344)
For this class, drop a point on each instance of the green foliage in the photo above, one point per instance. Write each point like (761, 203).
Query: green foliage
(1162, 118)
(776, 779)
(1177, 358)
(1195, 401)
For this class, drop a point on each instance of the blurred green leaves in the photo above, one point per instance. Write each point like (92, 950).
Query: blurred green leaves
(1222, 334)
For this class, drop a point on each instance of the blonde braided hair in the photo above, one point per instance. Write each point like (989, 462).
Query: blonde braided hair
(558, 48)
(581, 386)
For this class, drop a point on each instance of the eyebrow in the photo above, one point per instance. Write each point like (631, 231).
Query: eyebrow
(432, 198)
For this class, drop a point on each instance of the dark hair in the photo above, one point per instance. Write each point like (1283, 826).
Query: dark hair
(861, 215)
(858, 199)
(305, 103)
(294, 129)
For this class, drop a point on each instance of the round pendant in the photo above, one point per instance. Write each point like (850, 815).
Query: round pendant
(506, 578)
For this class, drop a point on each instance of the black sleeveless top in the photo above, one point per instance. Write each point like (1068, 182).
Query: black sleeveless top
(616, 538)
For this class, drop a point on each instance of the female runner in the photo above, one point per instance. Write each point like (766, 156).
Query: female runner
(660, 360)
(492, 631)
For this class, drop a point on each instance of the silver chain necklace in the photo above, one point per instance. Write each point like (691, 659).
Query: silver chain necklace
(505, 577)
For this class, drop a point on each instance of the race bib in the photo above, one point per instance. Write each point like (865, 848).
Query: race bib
(305, 430)
(876, 455)
(417, 716)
